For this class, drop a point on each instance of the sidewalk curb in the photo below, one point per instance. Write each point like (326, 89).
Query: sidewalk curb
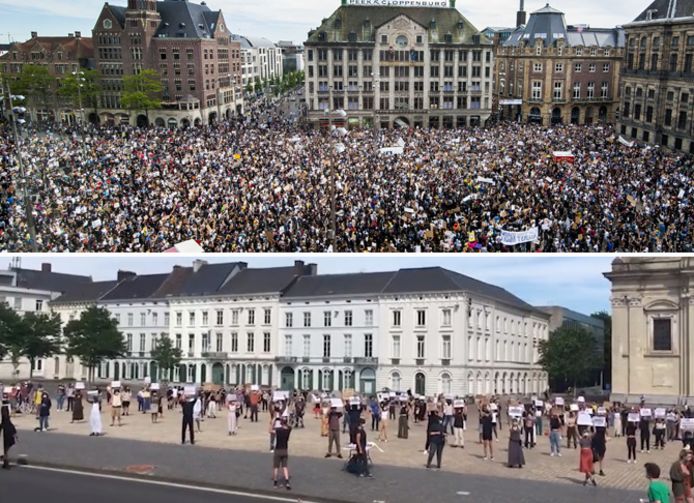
(224, 487)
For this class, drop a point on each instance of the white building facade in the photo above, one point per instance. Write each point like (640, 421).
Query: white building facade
(260, 59)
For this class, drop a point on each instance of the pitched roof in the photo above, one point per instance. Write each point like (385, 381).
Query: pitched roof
(209, 278)
(87, 293)
(119, 13)
(174, 283)
(137, 287)
(257, 281)
(73, 47)
(50, 281)
(363, 22)
(184, 19)
(667, 9)
(339, 284)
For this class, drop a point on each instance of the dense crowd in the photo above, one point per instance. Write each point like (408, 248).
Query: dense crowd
(254, 184)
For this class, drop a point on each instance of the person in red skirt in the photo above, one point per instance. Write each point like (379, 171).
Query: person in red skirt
(586, 460)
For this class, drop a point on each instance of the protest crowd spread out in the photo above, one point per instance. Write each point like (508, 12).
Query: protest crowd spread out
(254, 184)
(577, 423)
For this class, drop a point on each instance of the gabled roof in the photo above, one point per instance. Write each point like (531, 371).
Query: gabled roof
(257, 281)
(174, 283)
(667, 9)
(87, 293)
(50, 281)
(209, 278)
(136, 288)
(118, 12)
(72, 47)
(364, 21)
(184, 19)
(327, 285)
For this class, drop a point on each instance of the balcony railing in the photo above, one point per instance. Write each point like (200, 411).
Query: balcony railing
(215, 355)
(366, 360)
(287, 359)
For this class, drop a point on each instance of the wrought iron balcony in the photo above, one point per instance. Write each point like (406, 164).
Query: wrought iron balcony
(366, 361)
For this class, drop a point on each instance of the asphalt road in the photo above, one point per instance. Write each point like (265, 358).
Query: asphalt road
(31, 485)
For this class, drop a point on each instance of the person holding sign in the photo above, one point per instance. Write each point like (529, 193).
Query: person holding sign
(459, 427)
(571, 433)
(280, 458)
(599, 446)
(77, 407)
(188, 406)
(515, 446)
(554, 435)
(644, 428)
(116, 405)
(631, 438)
(487, 432)
(334, 429)
(437, 435)
(659, 433)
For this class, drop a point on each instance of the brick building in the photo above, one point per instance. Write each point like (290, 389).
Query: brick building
(410, 64)
(187, 44)
(61, 56)
(549, 72)
(658, 76)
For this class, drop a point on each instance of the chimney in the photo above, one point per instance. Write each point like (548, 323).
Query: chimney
(521, 17)
(197, 265)
(78, 34)
(46, 267)
(125, 275)
(34, 34)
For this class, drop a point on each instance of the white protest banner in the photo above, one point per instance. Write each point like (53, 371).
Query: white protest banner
(602, 411)
(516, 412)
(659, 413)
(633, 417)
(581, 399)
(355, 400)
(687, 424)
(7, 389)
(458, 404)
(154, 386)
(392, 151)
(190, 391)
(539, 403)
(493, 406)
(392, 394)
(646, 412)
(148, 380)
(255, 387)
(115, 385)
(488, 181)
(79, 385)
(574, 407)
(518, 238)
(625, 142)
(584, 419)
(336, 402)
(600, 421)
(280, 396)
(92, 393)
(559, 401)
(671, 416)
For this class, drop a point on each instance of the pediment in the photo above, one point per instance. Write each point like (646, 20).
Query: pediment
(661, 305)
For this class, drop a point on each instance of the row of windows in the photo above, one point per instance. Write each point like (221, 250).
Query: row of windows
(558, 90)
(16, 303)
(393, 55)
(219, 317)
(560, 51)
(328, 317)
(219, 346)
(648, 115)
(559, 67)
(676, 63)
(328, 345)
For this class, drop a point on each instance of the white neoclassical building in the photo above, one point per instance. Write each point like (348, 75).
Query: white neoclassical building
(652, 329)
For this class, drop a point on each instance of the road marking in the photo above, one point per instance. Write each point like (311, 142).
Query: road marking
(171, 484)
(463, 493)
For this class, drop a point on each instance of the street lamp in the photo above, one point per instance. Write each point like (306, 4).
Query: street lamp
(80, 78)
(13, 112)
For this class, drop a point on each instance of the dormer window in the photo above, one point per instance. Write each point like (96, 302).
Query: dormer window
(338, 23)
(352, 37)
(448, 38)
(321, 36)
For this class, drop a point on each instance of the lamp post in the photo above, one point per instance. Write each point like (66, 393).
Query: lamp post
(79, 76)
(12, 112)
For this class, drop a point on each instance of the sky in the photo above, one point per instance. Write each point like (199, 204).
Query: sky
(292, 19)
(574, 282)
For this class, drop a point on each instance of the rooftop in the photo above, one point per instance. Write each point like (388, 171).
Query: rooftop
(661, 10)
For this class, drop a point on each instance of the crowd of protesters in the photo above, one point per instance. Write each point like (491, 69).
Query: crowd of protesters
(259, 183)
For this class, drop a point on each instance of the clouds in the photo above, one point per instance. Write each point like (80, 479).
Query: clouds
(292, 19)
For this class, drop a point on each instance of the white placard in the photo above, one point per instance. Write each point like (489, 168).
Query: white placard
(392, 394)
(600, 421)
(584, 419)
(559, 401)
(671, 416)
(7, 389)
(336, 402)
(516, 238)
(115, 385)
(79, 385)
(573, 407)
(255, 387)
(148, 380)
(190, 391)
(646, 412)
(154, 386)
(355, 400)
(581, 399)
(492, 406)
(602, 411)
(280, 396)
(516, 412)
(539, 403)
(633, 417)
(659, 413)
(92, 393)
(687, 424)
(458, 404)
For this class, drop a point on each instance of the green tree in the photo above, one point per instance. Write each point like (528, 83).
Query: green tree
(88, 93)
(568, 356)
(37, 85)
(166, 355)
(249, 87)
(10, 333)
(257, 84)
(142, 92)
(607, 346)
(40, 337)
(94, 338)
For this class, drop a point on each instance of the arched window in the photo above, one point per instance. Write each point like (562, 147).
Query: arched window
(395, 381)
(446, 384)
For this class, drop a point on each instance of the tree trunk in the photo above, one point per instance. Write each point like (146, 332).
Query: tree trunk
(31, 368)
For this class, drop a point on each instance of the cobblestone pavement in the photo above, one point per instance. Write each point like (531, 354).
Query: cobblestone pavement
(254, 438)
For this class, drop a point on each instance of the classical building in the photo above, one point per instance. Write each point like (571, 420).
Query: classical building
(549, 72)
(398, 64)
(658, 76)
(292, 56)
(652, 328)
(61, 56)
(187, 44)
(260, 59)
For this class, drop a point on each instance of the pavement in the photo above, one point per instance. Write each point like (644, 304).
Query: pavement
(243, 462)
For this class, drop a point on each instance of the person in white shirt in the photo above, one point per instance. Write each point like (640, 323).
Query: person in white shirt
(232, 410)
(116, 405)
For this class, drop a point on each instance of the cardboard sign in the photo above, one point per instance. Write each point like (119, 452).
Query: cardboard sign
(79, 385)
(633, 417)
(584, 419)
(255, 387)
(336, 402)
(190, 391)
(581, 399)
(231, 398)
(148, 380)
(280, 396)
(7, 389)
(516, 412)
(115, 385)
(646, 412)
(154, 386)
(600, 421)
(458, 404)
(392, 394)
(687, 424)
(602, 411)
(92, 393)
(431, 407)
(493, 406)
(559, 401)
(403, 398)
(355, 400)
(659, 413)
(539, 403)
(671, 416)
(573, 407)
